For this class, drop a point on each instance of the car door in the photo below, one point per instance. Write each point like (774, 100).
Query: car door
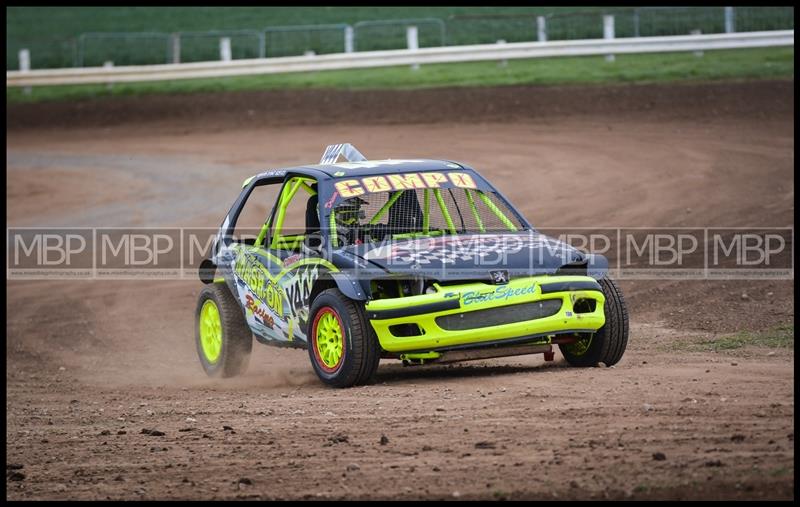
(248, 267)
(271, 270)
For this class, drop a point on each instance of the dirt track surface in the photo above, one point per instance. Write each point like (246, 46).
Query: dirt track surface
(253, 109)
(91, 364)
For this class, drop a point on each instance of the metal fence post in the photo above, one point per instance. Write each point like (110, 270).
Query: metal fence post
(541, 29)
(74, 44)
(636, 22)
(109, 65)
(225, 49)
(697, 32)
(81, 42)
(176, 47)
(503, 63)
(24, 60)
(349, 36)
(25, 66)
(412, 38)
(730, 25)
(442, 32)
(608, 32)
(262, 45)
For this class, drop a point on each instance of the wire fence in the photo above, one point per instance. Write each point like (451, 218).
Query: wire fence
(205, 46)
(303, 39)
(141, 48)
(44, 53)
(94, 49)
(391, 34)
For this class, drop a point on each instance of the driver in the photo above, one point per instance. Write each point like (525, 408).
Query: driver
(348, 216)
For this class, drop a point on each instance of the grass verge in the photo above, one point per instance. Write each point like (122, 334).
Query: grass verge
(661, 67)
(780, 337)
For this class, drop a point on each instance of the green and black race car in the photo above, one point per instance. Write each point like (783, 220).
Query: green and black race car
(418, 260)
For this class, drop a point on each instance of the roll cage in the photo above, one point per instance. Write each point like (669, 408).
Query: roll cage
(322, 185)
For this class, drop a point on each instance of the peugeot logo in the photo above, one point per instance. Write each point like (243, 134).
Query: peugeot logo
(499, 276)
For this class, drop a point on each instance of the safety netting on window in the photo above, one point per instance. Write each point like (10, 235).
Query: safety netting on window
(378, 216)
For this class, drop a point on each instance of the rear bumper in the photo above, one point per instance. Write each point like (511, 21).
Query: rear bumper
(499, 310)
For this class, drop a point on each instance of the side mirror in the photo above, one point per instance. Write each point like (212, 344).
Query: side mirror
(206, 271)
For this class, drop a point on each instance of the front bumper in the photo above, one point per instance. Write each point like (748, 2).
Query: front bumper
(503, 313)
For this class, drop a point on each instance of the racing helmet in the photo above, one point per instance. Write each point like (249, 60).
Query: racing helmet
(349, 212)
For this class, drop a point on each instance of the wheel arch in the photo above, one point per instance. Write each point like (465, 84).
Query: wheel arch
(349, 286)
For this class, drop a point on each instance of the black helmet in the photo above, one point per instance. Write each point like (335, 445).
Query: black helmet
(349, 212)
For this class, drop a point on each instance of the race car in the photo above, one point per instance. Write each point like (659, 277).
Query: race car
(418, 260)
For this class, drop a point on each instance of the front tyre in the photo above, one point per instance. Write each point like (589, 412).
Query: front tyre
(341, 343)
(607, 344)
(222, 337)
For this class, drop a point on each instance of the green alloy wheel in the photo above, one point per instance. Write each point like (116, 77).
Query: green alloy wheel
(223, 338)
(342, 345)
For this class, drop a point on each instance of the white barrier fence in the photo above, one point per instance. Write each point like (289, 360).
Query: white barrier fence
(446, 54)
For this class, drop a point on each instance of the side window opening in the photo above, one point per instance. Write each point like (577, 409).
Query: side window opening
(255, 212)
(296, 215)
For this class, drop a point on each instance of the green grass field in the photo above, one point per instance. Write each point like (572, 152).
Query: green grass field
(665, 67)
(90, 36)
(52, 34)
(24, 23)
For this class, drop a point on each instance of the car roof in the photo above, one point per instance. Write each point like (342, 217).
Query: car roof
(365, 168)
(388, 166)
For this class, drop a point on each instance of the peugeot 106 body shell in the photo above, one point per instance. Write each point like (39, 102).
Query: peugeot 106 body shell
(276, 283)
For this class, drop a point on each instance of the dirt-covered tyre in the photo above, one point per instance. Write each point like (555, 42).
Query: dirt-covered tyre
(608, 344)
(342, 345)
(222, 337)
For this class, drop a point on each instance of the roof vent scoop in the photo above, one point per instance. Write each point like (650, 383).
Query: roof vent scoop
(347, 150)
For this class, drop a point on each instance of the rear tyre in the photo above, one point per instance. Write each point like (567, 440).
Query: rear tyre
(222, 337)
(608, 344)
(342, 346)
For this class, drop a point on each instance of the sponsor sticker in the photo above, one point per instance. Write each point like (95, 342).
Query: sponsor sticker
(404, 181)
(257, 279)
(504, 293)
(258, 310)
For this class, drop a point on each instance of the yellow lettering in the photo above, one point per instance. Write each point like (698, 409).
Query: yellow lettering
(349, 188)
(274, 298)
(406, 181)
(433, 179)
(376, 184)
(462, 180)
